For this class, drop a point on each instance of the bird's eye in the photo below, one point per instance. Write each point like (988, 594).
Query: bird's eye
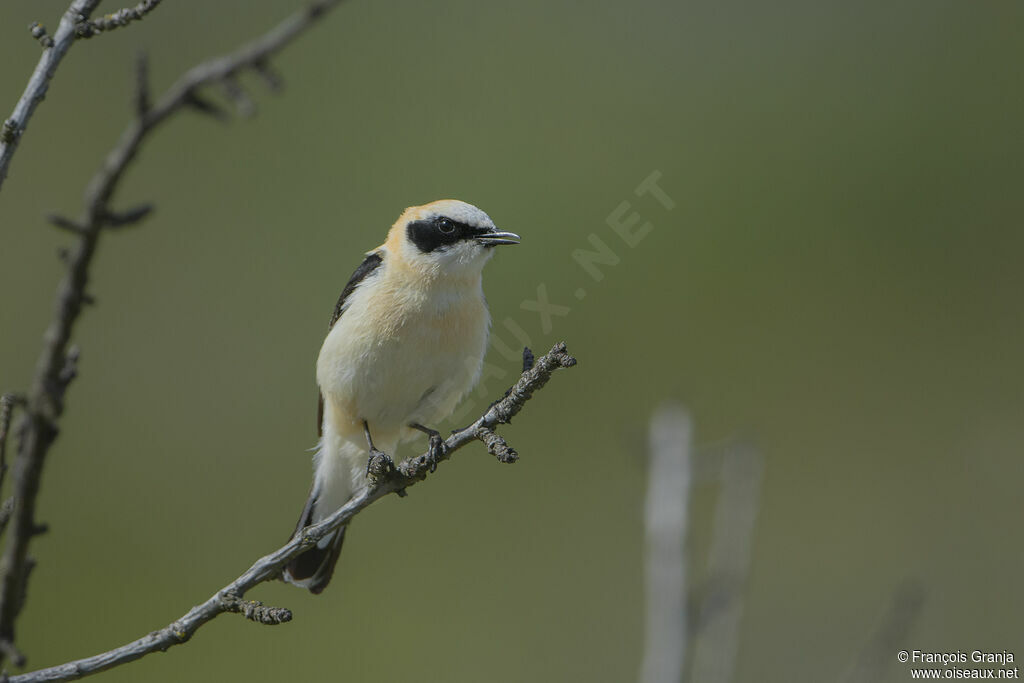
(446, 226)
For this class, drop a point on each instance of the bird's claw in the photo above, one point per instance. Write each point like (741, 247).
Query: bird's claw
(379, 465)
(435, 451)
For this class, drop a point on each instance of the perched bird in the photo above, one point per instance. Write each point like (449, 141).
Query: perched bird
(405, 344)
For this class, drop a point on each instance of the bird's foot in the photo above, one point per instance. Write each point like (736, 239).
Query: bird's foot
(379, 465)
(435, 447)
(435, 451)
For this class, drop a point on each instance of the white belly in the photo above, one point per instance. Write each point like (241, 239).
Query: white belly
(396, 357)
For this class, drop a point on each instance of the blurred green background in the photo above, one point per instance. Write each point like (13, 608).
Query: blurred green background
(839, 284)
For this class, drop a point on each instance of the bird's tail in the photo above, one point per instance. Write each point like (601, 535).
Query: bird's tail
(333, 485)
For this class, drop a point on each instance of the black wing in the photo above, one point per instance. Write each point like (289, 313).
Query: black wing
(369, 264)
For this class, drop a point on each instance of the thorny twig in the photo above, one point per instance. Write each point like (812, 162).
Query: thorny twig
(268, 568)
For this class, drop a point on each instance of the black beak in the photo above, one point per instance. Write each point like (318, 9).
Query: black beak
(491, 239)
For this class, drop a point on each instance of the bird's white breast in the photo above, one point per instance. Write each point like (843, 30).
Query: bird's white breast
(403, 351)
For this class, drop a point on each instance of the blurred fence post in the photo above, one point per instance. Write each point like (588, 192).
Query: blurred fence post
(665, 523)
(716, 641)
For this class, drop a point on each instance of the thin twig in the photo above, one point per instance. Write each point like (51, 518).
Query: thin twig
(6, 510)
(122, 17)
(65, 223)
(496, 446)
(268, 568)
(11, 652)
(270, 77)
(254, 610)
(127, 218)
(7, 404)
(184, 93)
(142, 85)
(244, 105)
(55, 368)
(14, 127)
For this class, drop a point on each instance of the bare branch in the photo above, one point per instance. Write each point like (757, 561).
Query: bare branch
(496, 446)
(243, 103)
(205, 106)
(183, 93)
(56, 365)
(142, 103)
(128, 218)
(6, 510)
(11, 652)
(7, 404)
(254, 610)
(268, 568)
(15, 125)
(269, 76)
(122, 17)
(65, 223)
